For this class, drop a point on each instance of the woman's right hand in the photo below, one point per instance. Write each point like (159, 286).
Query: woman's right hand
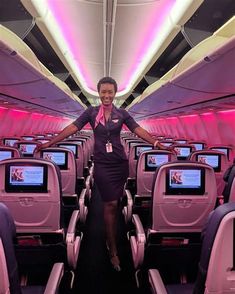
(42, 146)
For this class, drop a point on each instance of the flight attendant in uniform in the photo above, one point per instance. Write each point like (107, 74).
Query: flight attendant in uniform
(110, 161)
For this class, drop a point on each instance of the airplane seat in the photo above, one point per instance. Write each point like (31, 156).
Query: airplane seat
(26, 147)
(183, 151)
(65, 160)
(134, 152)
(216, 265)
(183, 195)
(178, 186)
(83, 181)
(229, 189)
(139, 192)
(8, 152)
(76, 147)
(228, 150)
(31, 189)
(83, 142)
(146, 167)
(218, 160)
(85, 148)
(10, 141)
(129, 142)
(84, 166)
(9, 275)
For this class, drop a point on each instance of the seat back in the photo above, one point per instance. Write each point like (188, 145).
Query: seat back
(77, 149)
(28, 137)
(228, 150)
(166, 143)
(9, 279)
(146, 168)
(218, 160)
(26, 148)
(129, 142)
(4, 281)
(134, 152)
(199, 145)
(83, 142)
(31, 189)
(216, 263)
(65, 160)
(184, 193)
(180, 141)
(229, 189)
(183, 151)
(89, 144)
(10, 141)
(216, 266)
(8, 152)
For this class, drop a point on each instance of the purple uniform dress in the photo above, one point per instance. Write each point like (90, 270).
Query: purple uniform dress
(110, 169)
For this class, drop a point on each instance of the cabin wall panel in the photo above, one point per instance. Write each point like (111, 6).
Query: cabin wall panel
(213, 128)
(226, 127)
(194, 127)
(18, 123)
(210, 123)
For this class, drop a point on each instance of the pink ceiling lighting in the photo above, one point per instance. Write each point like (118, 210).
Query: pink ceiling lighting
(63, 14)
(151, 26)
(149, 36)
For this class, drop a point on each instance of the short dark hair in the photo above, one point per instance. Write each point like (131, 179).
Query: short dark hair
(107, 80)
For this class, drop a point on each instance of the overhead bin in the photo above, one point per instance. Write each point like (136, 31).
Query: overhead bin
(204, 73)
(25, 79)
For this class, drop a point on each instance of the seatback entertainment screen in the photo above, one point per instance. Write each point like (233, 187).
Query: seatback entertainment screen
(213, 160)
(185, 181)
(70, 147)
(152, 161)
(27, 149)
(140, 149)
(22, 178)
(60, 158)
(182, 152)
(5, 154)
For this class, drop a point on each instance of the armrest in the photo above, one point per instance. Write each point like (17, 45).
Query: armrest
(127, 210)
(82, 207)
(73, 242)
(137, 242)
(140, 234)
(156, 282)
(72, 226)
(54, 280)
(88, 186)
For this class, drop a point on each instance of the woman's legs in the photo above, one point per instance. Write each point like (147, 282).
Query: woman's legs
(110, 221)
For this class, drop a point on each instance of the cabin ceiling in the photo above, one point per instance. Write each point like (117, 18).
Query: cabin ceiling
(126, 18)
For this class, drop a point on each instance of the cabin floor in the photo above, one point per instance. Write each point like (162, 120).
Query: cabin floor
(94, 272)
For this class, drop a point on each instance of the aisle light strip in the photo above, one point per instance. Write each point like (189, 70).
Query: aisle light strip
(50, 20)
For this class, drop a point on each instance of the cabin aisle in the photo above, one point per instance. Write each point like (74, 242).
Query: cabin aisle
(94, 273)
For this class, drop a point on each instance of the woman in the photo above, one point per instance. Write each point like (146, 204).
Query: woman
(110, 162)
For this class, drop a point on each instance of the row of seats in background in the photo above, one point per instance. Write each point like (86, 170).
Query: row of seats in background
(168, 203)
(219, 157)
(73, 157)
(47, 194)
